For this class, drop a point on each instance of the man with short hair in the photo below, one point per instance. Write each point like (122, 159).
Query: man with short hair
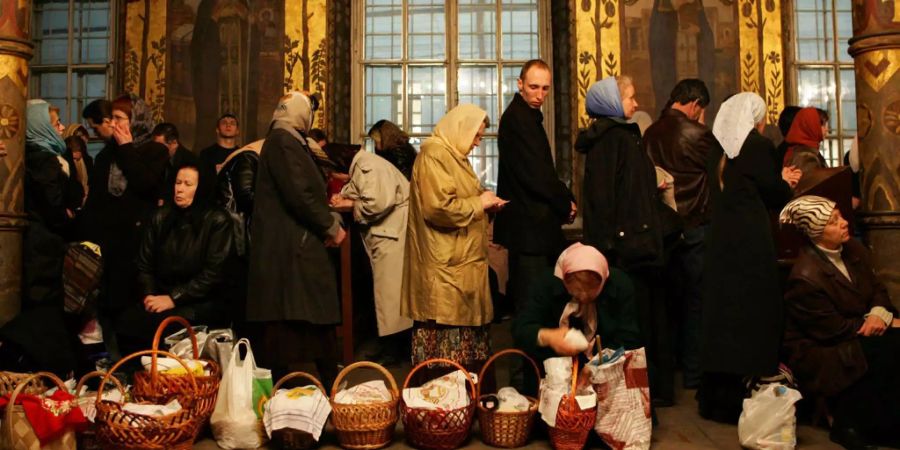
(539, 203)
(227, 132)
(167, 134)
(679, 143)
(98, 114)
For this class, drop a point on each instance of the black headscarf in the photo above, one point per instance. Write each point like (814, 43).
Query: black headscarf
(204, 197)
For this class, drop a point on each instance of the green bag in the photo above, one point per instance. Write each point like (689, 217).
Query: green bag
(262, 388)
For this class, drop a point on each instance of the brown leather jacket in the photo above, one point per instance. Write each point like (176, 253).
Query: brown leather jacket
(824, 311)
(680, 146)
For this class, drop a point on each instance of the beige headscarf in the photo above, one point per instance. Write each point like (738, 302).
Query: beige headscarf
(457, 129)
(737, 117)
(293, 114)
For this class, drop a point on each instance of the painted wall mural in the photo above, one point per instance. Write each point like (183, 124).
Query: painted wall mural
(731, 45)
(248, 54)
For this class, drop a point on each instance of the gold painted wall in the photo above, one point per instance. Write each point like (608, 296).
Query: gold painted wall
(305, 61)
(598, 45)
(144, 68)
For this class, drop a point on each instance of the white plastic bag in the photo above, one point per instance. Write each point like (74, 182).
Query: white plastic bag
(623, 399)
(234, 422)
(769, 419)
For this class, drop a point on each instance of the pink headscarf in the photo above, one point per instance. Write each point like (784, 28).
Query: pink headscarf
(579, 257)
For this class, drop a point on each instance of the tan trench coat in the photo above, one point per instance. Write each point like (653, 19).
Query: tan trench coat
(381, 202)
(446, 275)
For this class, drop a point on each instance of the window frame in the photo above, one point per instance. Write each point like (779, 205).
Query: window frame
(71, 69)
(835, 65)
(451, 63)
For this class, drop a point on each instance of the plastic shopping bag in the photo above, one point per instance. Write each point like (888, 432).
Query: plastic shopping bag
(623, 398)
(234, 420)
(262, 387)
(769, 419)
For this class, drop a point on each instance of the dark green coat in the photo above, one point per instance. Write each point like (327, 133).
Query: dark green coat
(616, 315)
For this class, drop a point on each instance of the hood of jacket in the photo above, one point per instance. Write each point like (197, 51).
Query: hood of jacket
(589, 136)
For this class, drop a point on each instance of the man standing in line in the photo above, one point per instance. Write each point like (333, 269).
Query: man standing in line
(227, 132)
(539, 203)
(679, 143)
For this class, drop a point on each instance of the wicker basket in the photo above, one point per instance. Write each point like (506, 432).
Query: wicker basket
(289, 438)
(506, 429)
(436, 429)
(157, 388)
(17, 432)
(118, 429)
(10, 380)
(87, 439)
(573, 425)
(367, 426)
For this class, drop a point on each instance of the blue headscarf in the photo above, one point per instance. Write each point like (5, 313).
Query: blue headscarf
(604, 99)
(39, 132)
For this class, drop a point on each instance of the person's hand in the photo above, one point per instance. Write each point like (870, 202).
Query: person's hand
(573, 212)
(342, 177)
(555, 338)
(3, 149)
(70, 214)
(337, 240)
(158, 303)
(497, 206)
(791, 175)
(122, 133)
(341, 203)
(488, 200)
(873, 326)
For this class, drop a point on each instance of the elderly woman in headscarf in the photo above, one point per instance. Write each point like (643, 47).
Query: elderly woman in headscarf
(181, 261)
(392, 144)
(445, 278)
(583, 293)
(292, 293)
(742, 305)
(621, 210)
(124, 190)
(842, 339)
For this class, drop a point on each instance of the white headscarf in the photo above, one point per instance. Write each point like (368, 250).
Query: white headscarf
(736, 118)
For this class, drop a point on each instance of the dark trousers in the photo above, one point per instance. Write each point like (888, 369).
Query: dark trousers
(685, 296)
(523, 270)
(653, 320)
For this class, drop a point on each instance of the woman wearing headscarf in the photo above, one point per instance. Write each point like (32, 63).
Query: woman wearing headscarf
(621, 210)
(445, 278)
(181, 261)
(842, 339)
(392, 144)
(124, 190)
(292, 293)
(582, 293)
(803, 140)
(742, 305)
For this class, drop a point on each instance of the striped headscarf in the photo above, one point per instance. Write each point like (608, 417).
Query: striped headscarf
(809, 213)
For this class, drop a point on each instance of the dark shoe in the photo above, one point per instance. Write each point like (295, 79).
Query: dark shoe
(850, 439)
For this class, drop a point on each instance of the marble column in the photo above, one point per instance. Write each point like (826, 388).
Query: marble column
(875, 48)
(15, 51)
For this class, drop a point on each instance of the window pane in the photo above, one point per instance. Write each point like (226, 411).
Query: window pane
(383, 95)
(477, 29)
(51, 31)
(510, 84)
(815, 31)
(426, 29)
(384, 29)
(427, 93)
(845, 30)
(92, 31)
(478, 85)
(816, 87)
(831, 150)
(484, 162)
(848, 102)
(520, 29)
(86, 87)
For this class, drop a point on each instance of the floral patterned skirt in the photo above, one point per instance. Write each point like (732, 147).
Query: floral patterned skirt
(468, 346)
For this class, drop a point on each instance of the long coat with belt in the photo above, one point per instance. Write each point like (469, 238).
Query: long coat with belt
(446, 274)
(824, 311)
(291, 276)
(381, 203)
(742, 306)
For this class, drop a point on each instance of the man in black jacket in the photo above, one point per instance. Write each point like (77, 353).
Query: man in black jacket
(679, 143)
(530, 225)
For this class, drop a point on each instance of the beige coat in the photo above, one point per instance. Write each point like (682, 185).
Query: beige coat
(446, 276)
(381, 202)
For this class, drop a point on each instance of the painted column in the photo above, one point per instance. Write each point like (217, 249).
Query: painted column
(15, 51)
(875, 48)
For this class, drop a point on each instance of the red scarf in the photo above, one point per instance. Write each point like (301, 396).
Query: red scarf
(52, 416)
(806, 130)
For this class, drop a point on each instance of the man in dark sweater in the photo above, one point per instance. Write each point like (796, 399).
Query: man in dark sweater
(530, 225)
(227, 132)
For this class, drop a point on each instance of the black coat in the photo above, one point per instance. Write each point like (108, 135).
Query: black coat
(620, 203)
(291, 276)
(539, 202)
(235, 191)
(742, 306)
(46, 187)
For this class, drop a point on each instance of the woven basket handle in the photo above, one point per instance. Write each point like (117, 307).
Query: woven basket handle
(365, 364)
(443, 361)
(290, 376)
(509, 351)
(8, 417)
(574, 379)
(97, 374)
(154, 377)
(106, 378)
